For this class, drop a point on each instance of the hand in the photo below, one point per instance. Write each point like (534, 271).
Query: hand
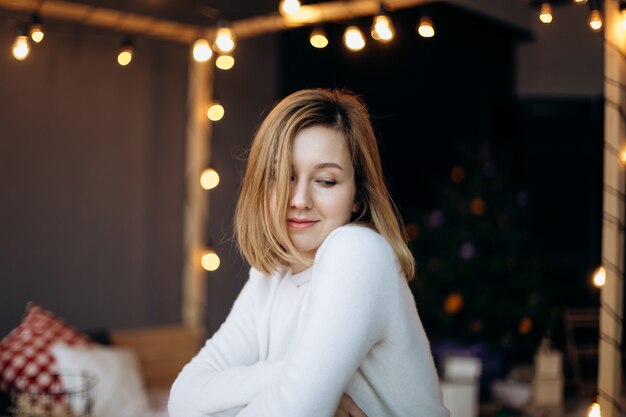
(348, 408)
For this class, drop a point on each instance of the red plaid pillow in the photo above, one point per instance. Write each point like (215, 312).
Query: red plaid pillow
(26, 362)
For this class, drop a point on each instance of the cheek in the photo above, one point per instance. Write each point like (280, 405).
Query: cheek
(343, 206)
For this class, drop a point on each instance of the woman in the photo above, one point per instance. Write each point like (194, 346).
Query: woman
(326, 324)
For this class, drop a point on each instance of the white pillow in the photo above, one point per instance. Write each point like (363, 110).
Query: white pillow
(119, 389)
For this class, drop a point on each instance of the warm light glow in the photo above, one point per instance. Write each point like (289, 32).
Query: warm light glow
(224, 40)
(36, 33)
(125, 56)
(426, 28)
(289, 7)
(599, 277)
(595, 20)
(622, 156)
(580, 2)
(623, 16)
(209, 179)
(545, 13)
(318, 38)
(21, 47)
(210, 261)
(225, 62)
(215, 112)
(353, 38)
(202, 51)
(594, 410)
(382, 29)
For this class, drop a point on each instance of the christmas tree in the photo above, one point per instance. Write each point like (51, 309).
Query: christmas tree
(476, 280)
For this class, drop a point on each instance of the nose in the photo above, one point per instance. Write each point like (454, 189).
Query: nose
(300, 196)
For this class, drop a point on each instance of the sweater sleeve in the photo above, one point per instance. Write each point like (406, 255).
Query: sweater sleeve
(226, 374)
(345, 319)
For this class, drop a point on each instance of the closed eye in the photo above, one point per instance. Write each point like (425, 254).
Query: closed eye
(327, 183)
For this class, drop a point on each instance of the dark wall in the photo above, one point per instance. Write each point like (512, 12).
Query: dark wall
(92, 176)
(91, 173)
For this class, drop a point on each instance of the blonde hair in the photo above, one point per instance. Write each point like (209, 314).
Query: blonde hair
(264, 239)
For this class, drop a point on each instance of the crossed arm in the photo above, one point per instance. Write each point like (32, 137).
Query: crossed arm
(345, 319)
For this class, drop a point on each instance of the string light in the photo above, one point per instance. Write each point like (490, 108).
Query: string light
(215, 112)
(599, 277)
(126, 52)
(209, 260)
(353, 38)
(225, 62)
(318, 38)
(382, 28)
(545, 13)
(595, 20)
(224, 39)
(426, 28)
(209, 179)
(21, 46)
(36, 31)
(201, 50)
(289, 7)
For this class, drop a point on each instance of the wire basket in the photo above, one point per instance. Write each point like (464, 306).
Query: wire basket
(69, 395)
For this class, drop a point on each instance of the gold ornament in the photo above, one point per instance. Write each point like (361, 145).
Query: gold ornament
(477, 206)
(525, 325)
(457, 174)
(453, 303)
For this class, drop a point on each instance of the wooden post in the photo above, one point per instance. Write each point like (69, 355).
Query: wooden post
(611, 296)
(196, 199)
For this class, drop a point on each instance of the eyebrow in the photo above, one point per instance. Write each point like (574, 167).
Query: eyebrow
(328, 165)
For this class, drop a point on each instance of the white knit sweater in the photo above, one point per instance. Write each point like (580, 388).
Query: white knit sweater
(292, 344)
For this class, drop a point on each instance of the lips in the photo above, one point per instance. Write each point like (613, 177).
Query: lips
(300, 224)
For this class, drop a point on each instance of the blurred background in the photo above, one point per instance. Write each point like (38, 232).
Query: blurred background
(490, 131)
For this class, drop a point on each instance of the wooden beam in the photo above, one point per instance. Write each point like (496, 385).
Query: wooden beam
(196, 214)
(612, 294)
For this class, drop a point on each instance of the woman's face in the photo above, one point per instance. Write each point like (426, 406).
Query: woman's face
(322, 195)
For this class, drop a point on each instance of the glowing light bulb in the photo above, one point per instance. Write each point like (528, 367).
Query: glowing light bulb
(210, 261)
(20, 47)
(225, 62)
(289, 7)
(426, 28)
(224, 40)
(125, 56)
(36, 32)
(545, 13)
(599, 277)
(215, 112)
(202, 51)
(382, 29)
(595, 20)
(580, 2)
(209, 179)
(594, 410)
(353, 38)
(318, 38)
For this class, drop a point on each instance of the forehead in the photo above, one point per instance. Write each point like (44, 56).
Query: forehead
(319, 144)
